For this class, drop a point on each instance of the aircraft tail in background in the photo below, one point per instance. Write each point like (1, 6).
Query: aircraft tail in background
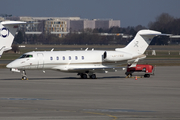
(7, 34)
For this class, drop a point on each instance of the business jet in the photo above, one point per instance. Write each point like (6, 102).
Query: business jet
(86, 62)
(7, 33)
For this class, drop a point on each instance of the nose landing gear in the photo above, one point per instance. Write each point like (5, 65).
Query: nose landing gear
(24, 76)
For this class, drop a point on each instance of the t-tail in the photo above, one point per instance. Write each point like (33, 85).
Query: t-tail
(140, 42)
(7, 34)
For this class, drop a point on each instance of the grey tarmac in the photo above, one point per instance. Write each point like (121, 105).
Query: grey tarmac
(64, 96)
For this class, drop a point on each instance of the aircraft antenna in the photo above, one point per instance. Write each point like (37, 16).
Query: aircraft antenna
(52, 49)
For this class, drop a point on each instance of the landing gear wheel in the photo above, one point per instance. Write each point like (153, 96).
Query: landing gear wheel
(24, 78)
(93, 76)
(129, 76)
(83, 76)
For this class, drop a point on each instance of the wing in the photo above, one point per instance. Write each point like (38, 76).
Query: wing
(89, 68)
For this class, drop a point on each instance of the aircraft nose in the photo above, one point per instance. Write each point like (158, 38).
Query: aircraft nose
(9, 65)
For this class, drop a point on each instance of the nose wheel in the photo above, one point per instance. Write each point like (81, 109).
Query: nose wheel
(24, 77)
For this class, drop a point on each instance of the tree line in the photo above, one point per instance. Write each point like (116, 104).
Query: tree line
(164, 23)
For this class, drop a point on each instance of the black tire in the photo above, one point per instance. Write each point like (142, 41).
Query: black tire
(147, 75)
(24, 78)
(93, 76)
(83, 76)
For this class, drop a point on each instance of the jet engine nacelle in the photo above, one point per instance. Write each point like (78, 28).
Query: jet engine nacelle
(113, 56)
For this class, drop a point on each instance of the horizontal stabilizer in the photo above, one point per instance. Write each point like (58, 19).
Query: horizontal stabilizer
(156, 34)
(12, 22)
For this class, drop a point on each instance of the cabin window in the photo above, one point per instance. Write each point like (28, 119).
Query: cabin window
(51, 58)
(57, 58)
(82, 57)
(76, 58)
(63, 58)
(69, 57)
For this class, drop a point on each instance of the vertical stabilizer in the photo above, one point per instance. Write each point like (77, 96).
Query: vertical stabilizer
(140, 42)
(7, 34)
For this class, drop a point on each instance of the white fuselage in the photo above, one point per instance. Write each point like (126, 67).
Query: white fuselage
(71, 61)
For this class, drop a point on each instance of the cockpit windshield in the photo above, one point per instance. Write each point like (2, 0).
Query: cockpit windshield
(26, 56)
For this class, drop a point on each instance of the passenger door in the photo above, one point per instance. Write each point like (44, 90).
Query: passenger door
(40, 60)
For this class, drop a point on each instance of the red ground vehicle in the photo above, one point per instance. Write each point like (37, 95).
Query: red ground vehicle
(140, 70)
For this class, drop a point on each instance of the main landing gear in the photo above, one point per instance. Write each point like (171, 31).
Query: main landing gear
(24, 77)
(85, 76)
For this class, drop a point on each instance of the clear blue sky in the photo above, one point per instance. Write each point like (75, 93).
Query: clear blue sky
(129, 12)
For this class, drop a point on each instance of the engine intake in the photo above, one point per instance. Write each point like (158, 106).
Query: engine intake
(115, 56)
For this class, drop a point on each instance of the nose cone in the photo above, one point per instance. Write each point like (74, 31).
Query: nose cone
(12, 64)
(16, 64)
(9, 65)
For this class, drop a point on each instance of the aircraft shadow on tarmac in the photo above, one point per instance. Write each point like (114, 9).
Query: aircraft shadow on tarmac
(67, 78)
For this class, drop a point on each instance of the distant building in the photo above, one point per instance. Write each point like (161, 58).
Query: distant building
(33, 25)
(62, 25)
(76, 25)
(79, 25)
(1, 19)
(104, 24)
(56, 26)
(53, 25)
(89, 24)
